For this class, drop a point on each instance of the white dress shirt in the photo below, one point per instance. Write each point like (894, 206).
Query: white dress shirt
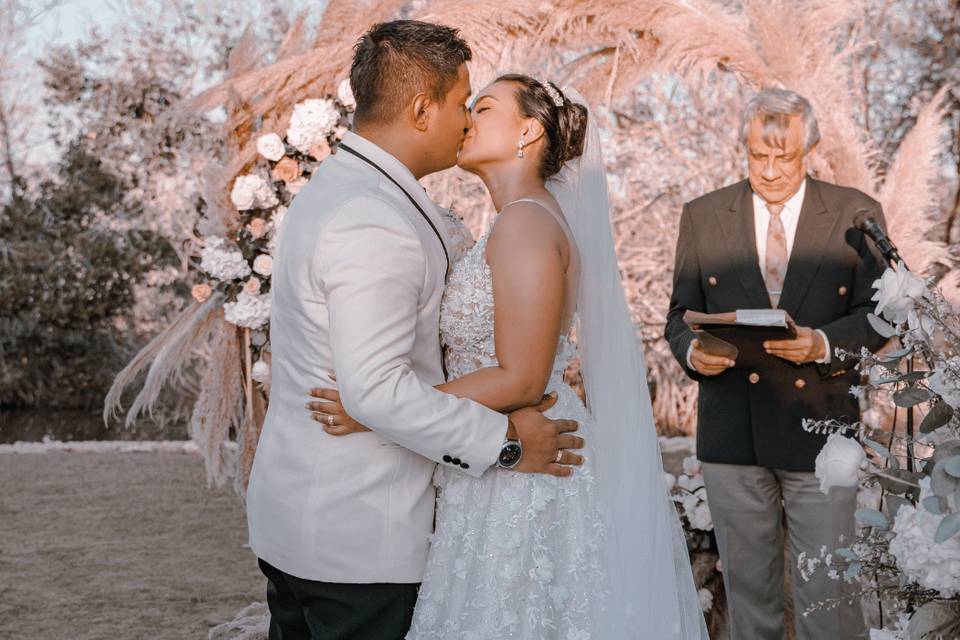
(790, 217)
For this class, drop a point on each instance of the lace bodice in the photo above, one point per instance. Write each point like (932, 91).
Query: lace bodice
(466, 318)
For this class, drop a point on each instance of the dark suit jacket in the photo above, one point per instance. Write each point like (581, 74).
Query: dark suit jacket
(752, 415)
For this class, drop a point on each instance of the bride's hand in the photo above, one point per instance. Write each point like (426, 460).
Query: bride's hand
(331, 414)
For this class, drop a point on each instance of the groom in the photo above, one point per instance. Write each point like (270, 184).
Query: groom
(341, 525)
(784, 240)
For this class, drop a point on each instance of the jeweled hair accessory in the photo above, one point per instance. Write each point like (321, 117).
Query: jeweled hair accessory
(551, 91)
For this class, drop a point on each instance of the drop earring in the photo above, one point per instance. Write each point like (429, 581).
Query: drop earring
(520, 148)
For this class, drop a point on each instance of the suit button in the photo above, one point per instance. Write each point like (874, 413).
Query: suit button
(799, 383)
(447, 459)
(464, 465)
(754, 378)
(842, 291)
(456, 461)
(712, 280)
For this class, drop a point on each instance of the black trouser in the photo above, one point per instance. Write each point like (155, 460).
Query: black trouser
(309, 610)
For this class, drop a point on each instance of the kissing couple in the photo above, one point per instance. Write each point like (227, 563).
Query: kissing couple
(444, 493)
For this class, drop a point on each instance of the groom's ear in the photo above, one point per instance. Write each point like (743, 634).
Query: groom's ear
(532, 131)
(421, 110)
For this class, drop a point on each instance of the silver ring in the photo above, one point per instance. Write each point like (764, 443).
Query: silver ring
(330, 420)
(559, 455)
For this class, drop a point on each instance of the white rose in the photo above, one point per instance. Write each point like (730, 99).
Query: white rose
(896, 291)
(244, 195)
(838, 463)
(271, 147)
(700, 517)
(345, 95)
(691, 466)
(263, 264)
(261, 372)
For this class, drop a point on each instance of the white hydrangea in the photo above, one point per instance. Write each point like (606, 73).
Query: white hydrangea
(270, 146)
(345, 95)
(223, 262)
(250, 310)
(251, 191)
(933, 566)
(312, 121)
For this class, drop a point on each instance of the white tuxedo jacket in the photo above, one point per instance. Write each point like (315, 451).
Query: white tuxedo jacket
(356, 289)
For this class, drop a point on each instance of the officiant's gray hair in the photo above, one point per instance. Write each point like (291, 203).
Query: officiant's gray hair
(776, 106)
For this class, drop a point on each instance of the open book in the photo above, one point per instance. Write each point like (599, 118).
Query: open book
(739, 335)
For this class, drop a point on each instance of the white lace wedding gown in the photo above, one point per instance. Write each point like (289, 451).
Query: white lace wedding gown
(513, 555)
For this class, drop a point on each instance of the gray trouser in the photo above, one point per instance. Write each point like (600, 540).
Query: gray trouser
(747, 504)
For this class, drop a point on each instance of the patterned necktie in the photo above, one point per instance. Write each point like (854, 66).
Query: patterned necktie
(775, 268)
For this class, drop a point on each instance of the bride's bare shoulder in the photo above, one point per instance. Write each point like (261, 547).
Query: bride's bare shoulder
(526, 226)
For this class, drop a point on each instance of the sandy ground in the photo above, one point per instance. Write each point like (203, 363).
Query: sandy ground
(120, 546)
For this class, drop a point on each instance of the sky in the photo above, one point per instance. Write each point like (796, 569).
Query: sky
(69, 21)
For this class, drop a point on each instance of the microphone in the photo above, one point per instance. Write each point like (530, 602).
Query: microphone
(865, 222)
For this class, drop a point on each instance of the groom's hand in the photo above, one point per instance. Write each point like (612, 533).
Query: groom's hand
(546, 443)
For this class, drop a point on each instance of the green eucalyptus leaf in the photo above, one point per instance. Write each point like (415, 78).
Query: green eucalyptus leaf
(872, 518)
(941, 482)
(879, 448)
(852, 571)
(952, 466)
(845, 552)
(911, 396)
(948, 528)
(939, 415)
(946, 449)
(936, 505)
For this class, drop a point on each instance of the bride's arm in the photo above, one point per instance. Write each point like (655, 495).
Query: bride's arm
(525, 252)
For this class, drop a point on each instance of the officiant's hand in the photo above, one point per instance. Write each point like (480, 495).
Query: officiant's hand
(546, 443)
(807, 347)
(331, 414)
(707, 364)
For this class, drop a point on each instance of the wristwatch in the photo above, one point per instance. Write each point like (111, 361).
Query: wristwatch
(510, 454)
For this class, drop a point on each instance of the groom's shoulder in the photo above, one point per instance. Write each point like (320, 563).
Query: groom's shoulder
(723, 197)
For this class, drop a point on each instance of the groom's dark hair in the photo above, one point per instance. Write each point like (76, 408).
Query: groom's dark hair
(394, 61)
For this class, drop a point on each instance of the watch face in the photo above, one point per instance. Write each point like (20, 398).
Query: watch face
(510, 454)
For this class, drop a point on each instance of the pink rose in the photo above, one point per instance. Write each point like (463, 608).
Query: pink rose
(201, 292)
(321, 150)
(287, 170)
(252, 286)
(257, 227)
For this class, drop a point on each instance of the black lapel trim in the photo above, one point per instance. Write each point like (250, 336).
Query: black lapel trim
(409, 197)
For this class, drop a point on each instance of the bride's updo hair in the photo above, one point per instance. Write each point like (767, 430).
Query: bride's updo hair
(565, 127)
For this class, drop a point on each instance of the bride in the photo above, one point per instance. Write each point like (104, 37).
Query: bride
(600, 554)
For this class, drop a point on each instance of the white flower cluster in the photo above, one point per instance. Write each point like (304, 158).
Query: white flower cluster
(932, 565)
(839, 462)
(251, 191)
(312, 121)
(693, 495)
(270, 146)
(223, 262)
(251, 310)
(945, 381)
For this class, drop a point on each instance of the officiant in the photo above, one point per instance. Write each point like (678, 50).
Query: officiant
(779, 239)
